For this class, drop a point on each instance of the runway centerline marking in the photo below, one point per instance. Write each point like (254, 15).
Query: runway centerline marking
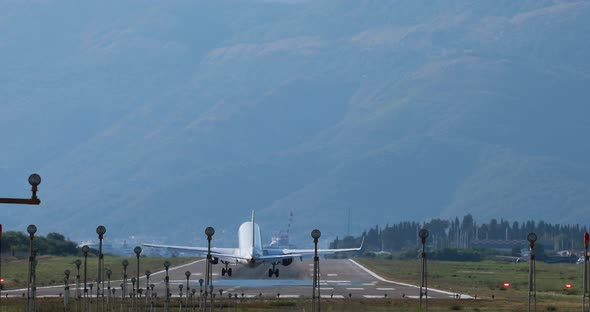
(355, 288)
(385, 288)
(402, 284)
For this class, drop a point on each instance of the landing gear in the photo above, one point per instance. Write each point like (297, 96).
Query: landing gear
(226, 270)
(273, 271)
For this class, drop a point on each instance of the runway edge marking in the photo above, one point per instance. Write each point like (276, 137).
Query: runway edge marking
(404, 284)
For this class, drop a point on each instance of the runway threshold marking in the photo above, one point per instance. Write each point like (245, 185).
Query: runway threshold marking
(403, 284)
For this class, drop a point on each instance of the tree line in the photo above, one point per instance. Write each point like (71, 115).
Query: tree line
(464, 234)
(17, 243)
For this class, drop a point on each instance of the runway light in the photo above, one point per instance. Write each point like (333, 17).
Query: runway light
(1, 280)
(568, 286)
(506, 285)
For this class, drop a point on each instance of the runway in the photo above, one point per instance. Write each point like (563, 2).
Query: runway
(340, 278)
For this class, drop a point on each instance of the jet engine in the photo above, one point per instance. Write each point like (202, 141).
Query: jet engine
(287, 261)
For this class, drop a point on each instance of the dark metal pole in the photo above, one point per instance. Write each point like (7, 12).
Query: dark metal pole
(147, 286)
(137, 251)
(78, 262)
(586, 296)
(67, 290)
(188, 275)
(423, 234)
(109, 272)
(100, 230)
(31, 229)
(209, 231)
(85, 250)
(125, 263)
(167, 280)
(532, 237)
(315, 234)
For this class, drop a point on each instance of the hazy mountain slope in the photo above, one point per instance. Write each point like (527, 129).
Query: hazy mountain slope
(145, 116)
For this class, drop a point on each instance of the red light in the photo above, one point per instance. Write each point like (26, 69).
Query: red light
(506, 285)
(586, 236)
(1, 280)
(568, 286)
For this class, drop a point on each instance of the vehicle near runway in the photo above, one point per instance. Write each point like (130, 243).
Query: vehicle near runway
(251, 253)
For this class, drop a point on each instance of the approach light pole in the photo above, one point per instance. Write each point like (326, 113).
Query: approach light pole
(586, 299)
(167, 282)
(31, 229)
(201, 294)
(67, 290)
(209, 231)
(132, 294)
(188, 275)
(212, 295)
(109, 273)
(315, 234)
(147, 285)
(100, 230)
(137, 251)
(423, 234)
(78, 262)
(85, 250)
(34, 181)
(180, 298)
(532, 238)
(125, 263)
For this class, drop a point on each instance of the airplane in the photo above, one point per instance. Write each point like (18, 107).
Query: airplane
(251, 253)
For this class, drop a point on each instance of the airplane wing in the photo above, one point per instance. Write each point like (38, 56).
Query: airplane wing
(222, 253)
(273, 255)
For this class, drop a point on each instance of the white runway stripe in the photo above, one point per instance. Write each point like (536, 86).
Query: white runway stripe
(403, 284)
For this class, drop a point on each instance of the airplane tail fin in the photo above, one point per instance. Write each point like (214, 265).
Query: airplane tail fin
(253, 231)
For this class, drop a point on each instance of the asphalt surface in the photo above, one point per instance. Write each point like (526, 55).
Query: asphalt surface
(340, 278)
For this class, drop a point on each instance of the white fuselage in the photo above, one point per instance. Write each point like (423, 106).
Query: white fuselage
(250, 243)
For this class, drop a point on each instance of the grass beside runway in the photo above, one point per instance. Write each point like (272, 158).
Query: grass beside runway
(485, 280)
(50, 270)
(341, 305)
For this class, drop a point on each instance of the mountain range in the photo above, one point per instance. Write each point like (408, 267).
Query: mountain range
(158, 119)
